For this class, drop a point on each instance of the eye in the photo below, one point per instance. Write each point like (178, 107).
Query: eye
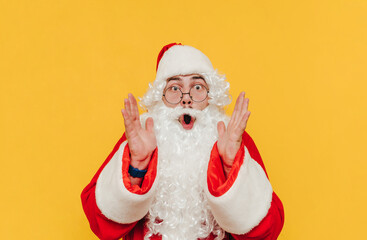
(198, 87)
(175, 88)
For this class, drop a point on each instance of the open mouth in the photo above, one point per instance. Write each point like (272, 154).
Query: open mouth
(187, 121)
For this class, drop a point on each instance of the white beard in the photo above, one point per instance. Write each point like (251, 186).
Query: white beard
(180, 209)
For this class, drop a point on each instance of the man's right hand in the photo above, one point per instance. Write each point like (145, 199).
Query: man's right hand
(142, 142)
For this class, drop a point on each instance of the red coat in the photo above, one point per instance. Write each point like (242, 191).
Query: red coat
(243, 204)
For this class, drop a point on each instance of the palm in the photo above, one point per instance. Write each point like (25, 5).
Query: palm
(229, 139)
(142, 141)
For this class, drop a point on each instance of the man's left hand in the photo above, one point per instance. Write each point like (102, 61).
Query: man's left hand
(230, 138)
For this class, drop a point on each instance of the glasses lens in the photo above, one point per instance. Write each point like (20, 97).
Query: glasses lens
(173, 94)
(198, 93)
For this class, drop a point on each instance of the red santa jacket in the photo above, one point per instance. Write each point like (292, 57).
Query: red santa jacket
(243, 204)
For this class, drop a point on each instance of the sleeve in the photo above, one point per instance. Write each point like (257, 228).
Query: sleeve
(244, 204)
(112, 205)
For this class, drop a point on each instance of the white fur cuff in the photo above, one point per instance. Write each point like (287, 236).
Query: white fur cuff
(114, 200)
(247, 202)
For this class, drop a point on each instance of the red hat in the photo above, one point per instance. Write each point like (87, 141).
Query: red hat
(163, 50)
(177, 59)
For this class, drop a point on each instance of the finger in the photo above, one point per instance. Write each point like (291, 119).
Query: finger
(134, 107)
(239, 98)
(238, 102)
(127, 119)
(237, 109)
(247, 101)
(127, 107)
(135, 117)
(126, 123)
(221, 129)
(149, 125)
(125, 112)
(244, 107)
(240, 106)
(243, 122)
(234, 113)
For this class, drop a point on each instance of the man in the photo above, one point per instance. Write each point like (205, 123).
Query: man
(184, 170)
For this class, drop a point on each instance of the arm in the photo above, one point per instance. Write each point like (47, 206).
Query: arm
(244, 203)
(103, 227)
(142, 141)
(239, 192)
(111, 203)
(114, 201)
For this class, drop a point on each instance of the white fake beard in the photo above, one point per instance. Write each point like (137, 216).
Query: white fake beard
(180, 209)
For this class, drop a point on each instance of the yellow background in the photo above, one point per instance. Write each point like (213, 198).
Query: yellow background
(65, 67)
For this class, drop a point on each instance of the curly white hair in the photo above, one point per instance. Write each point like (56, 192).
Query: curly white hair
(218, 91)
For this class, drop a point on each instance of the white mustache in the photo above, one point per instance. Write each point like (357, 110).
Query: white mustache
(175, 113)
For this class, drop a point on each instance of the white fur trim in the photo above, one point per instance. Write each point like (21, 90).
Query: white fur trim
(247, 202)
(182, 60)
(114, 200)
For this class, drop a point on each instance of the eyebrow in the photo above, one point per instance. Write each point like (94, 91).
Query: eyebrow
(197, 77)
(173, 78)
(179, 79)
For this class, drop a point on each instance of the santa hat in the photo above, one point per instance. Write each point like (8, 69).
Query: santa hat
(177, 59)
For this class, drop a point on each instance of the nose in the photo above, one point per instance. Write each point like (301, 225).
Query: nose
(186, 100)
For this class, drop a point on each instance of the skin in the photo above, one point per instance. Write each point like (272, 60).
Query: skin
(142, 141)
(185, 83)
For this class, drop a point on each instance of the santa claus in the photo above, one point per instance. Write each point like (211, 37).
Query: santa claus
(184, 170)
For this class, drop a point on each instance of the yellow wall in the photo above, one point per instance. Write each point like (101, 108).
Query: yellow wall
(65, 67)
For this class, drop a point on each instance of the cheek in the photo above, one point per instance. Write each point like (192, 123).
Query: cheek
(203, 105)
(168, 104)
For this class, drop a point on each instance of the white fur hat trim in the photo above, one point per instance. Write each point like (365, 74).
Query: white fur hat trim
(182, 60)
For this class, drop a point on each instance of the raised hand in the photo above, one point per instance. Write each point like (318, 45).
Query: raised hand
(142, 142)
(230, 138)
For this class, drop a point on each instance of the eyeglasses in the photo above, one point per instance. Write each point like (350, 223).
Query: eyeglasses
(197, 93)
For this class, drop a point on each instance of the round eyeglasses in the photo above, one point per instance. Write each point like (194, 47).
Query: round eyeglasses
(197, 93)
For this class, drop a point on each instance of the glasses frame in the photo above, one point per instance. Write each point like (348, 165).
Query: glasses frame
(182, 94)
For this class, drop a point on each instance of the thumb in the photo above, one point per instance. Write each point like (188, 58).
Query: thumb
(149, 125)
(221, 128)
